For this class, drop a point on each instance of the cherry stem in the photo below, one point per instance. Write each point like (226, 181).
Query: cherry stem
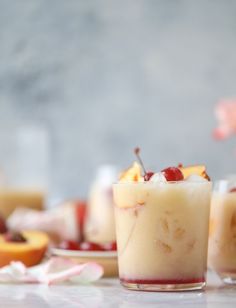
(136, 152)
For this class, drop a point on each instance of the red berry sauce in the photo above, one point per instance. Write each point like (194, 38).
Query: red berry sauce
(69, 245)
(89, 246)
(110, 246)
(164, 281)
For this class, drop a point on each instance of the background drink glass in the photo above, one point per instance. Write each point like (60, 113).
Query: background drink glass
(100, 221)
(222, 235)
(26, 175)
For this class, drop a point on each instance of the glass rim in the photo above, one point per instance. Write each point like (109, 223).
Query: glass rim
(162, 182)
(225, 181)
(224, 186)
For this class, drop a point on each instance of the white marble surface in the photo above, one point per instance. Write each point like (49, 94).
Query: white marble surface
(109, 293)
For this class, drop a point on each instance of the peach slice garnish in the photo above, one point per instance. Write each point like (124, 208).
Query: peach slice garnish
(196, 169)
(133, 174)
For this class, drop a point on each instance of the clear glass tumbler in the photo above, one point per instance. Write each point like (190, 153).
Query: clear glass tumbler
(162, 234)
(26, 170)
(222, 234)
(100, 222)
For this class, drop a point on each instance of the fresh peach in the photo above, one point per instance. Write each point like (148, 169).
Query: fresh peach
(30, 252)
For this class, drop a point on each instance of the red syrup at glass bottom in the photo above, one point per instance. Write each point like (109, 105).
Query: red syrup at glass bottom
(163, 281)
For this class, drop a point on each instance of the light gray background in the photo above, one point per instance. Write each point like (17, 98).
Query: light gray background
(105, 76)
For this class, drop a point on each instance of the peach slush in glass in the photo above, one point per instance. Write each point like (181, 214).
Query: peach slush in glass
(222, 237)
(162, 228)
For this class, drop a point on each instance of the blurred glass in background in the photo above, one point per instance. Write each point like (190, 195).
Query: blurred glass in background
(25, 179)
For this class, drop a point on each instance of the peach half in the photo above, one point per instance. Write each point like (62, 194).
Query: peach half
(30, 252)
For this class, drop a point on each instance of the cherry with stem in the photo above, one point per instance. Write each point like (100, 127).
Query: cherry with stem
(147, 174)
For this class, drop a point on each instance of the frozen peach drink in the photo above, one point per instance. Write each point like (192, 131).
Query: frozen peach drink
(162, 229)
(222, 236)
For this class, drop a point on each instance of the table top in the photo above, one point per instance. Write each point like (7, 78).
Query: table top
(109, 293)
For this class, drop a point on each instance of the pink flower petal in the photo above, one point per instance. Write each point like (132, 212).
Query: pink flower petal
(82, 273)
(55, 270)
